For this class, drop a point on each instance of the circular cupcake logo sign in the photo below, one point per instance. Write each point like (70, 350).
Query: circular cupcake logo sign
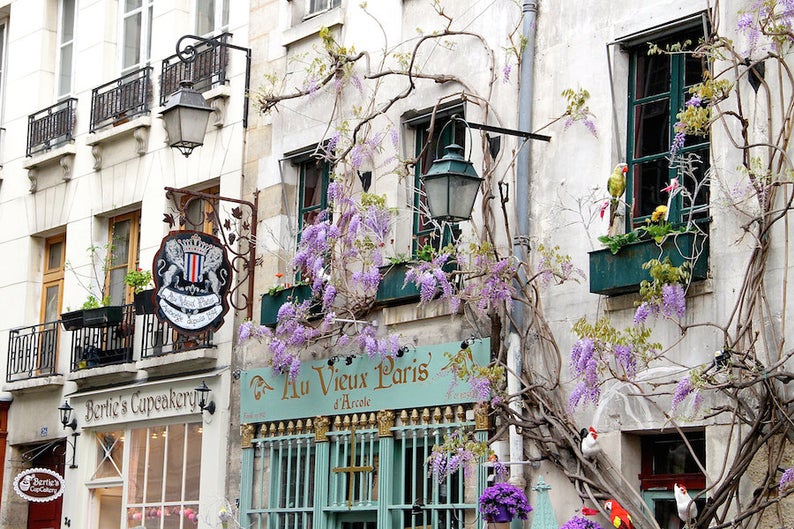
(39, 485)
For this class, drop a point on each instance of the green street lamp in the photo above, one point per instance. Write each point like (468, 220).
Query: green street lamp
(451, 185)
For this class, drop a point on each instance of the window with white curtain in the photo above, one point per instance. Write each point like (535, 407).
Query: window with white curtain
(67, 10)
(318, 6)
(136, 34)
(212, 16)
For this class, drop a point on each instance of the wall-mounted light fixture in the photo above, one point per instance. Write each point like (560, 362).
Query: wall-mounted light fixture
(186, 112)
(202, 397)
(67, 420)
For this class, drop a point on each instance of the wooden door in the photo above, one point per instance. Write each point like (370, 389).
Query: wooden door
(47, 515)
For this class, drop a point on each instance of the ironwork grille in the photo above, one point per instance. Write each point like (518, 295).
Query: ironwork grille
(282, 490)
(32, 351)
(159, 339)
(207, 71)
(51, 126)
(357, 478)
(121, 99)
(102, 346)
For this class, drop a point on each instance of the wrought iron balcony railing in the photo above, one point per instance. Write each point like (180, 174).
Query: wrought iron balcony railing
(206, 72)
(32, 351)
(104, 346)
(51, 127)
(160, 339)
(122, 99)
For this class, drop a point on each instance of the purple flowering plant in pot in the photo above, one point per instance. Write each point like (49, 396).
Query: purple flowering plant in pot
(580, 522)
(503, 502)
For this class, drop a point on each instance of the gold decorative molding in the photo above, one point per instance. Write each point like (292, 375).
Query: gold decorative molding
(321, 425)
(482, 418)
(247, 433)
(385, 423)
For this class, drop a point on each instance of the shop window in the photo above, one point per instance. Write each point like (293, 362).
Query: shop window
(66, 24)
(212, 16)
(123, 256)
(161, 486)
(658, 88)
(136, 30)
(444, 133)
(667, 460)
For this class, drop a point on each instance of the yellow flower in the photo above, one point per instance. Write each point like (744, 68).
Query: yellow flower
(659, 213)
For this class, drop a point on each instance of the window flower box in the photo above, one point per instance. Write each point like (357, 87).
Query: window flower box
(103, 316)
(72, 321)
(392, 289)
(272, 302)
(621, 273)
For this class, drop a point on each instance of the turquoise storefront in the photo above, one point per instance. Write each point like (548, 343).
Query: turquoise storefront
(344, 445)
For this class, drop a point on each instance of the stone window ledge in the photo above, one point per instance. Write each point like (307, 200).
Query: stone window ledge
(63, 155)
(137, 128)
(312, 26)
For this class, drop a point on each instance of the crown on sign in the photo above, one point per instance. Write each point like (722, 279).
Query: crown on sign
(196, 245)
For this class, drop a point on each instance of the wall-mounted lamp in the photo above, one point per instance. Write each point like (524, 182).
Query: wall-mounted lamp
(186, 112)
(67, 420)
(202, 397)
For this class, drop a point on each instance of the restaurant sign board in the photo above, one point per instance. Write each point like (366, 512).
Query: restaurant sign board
(39, 485)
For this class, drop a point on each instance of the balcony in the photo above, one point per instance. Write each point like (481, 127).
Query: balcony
(121, 100)
(32, 352)
(103, 344)
(206, 72)
(51, 127)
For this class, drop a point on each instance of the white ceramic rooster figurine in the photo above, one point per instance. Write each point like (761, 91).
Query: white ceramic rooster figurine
(590, 446)
(687, 510)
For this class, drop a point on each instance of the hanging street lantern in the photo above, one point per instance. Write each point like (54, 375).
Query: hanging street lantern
(451, 185)
(186, 114)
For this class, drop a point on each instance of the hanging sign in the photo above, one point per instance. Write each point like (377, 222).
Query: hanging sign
(39, 485)
(191, 278)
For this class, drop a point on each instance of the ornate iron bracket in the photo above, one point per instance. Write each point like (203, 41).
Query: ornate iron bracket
(187, 54)
(235, 227)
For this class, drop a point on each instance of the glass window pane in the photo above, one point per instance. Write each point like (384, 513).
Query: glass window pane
(117, 288)
(175, 460)
(225, 13)
(120, 251)
(110, 451)
(193, 462)
(55, 255)
(131, 54)
(649, 179)
(67, 21)
(653, 74)
(109, 500)
(129, 5)
(312, 185)
(51, 305)
(652, 128)
(205, 16)
(137, 465)
(154, 478)
(65, 72)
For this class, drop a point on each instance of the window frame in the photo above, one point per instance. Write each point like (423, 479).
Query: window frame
(52, 276)
(325, 180)
(676, 94)
(144, 35)
(316, 7)
(61, 92)
(220, 17)
(133, 252)
(423, 230)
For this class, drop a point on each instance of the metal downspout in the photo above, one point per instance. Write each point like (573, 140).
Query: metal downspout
(521, 239)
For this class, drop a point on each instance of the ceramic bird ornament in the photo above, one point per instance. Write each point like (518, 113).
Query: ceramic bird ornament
(687, 510)
(616, 185)
(590, 446)
(619, 517)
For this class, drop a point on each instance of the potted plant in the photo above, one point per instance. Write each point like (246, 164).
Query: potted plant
(502, 502)
(96, 310)
(141, 283)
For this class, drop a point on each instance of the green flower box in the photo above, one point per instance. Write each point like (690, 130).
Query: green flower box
(103, 316)
(621, 273)
(271, 303)
(391, 290)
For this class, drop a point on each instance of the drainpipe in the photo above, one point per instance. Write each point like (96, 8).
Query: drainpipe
(521, 239)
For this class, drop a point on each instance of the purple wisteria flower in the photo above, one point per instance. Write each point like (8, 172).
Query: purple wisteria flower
(480, 389)
(394, 134)
(673, 300)
(626, 359)
(311, 85)
(583, 394)
(506, 73)
(682, 391)
(786, 479)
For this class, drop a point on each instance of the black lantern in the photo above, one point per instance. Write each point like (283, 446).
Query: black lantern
(66, 416)
(186, 114)
(451, 185)
(202, 396)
